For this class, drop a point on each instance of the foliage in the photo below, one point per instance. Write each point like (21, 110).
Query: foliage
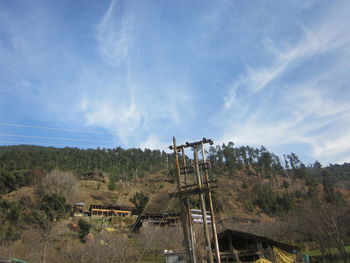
(84, 228)
(125, 163)
(272, 203)
(55, 207)
(285, 184)
(244, 185)
(26, 165)
(249, 206)
(140, 201)
(217, 203)
(112, 182)
(10, 215)
(331, 194)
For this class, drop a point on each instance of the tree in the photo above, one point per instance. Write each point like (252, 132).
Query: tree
(112, 182)
(9, 219)
(60, 183)
(285, 185)
(52, 208)
(140, 201)
(84, 228)
(154, 240)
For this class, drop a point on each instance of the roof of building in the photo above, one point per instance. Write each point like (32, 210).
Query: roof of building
(262, 239)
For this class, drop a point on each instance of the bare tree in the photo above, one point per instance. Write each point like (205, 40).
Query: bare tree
(154, 240)
(321, 222)
(60, 183)
(105, 247)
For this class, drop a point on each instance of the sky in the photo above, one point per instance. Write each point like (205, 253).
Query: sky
(135, 73)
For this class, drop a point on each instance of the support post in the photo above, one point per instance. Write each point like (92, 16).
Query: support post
(211, 209)
(188, 210)
(202, 205)
(183, 213)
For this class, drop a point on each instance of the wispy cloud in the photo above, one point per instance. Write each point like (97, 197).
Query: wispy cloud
(115, 34)
(305, 110)
(268, 73)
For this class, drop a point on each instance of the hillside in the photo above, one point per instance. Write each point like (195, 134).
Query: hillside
(252, 186)
(240, 173)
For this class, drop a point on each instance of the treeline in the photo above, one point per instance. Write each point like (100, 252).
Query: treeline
(123, 162)
(259, 161)
(82, 160)
(17, 163)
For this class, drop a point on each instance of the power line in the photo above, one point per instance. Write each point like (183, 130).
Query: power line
(144, 210)
(53, 138)
(50, 144)
(12, 142)
(82, 131)
(161, 221)
(52, 128)
(75, 130)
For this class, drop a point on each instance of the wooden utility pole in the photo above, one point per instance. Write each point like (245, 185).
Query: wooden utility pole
(200, 188)
(185, 225)
(211, 209)
(186, 200)
(202, 205)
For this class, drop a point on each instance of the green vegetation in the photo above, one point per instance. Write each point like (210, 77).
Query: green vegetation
(21, 165)
(55, 207)
(124, 164)
(269, 184)
(140, 201)
(84, 228)
(9, 221)
(272, 203)
(334, 251)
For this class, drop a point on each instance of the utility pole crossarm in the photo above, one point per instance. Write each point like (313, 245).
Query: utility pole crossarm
(198, 172)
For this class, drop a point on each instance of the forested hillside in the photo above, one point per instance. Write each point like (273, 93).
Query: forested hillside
(39, 185)
(18, 162)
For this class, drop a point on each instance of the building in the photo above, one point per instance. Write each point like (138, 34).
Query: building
(175, 257)
(79, 209)
(237, 246)
(196, 215)
(162, 219)
(109, 211)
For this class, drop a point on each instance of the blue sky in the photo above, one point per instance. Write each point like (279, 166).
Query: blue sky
(272, 73)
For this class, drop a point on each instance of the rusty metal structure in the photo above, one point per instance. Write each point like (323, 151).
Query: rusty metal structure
(193, 180)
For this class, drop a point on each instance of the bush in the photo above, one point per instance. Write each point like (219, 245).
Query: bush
(84, 227)
(273, 204)
(249, 206)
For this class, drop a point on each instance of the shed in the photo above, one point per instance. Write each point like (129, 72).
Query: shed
(237, 246)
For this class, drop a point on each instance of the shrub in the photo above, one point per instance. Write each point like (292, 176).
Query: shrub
(84, 227)
(273, 204)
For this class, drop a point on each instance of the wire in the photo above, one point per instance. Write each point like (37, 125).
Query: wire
(51, 128)
(53, 138)
(50, 144)
(73, 130)
(144, 210)
(161, 221)
(83, 131)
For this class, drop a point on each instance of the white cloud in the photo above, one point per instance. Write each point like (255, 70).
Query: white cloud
(327, 35)
(124, 118)
(155, 143)
(306, 112)
(332, 146)
(114, 34)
